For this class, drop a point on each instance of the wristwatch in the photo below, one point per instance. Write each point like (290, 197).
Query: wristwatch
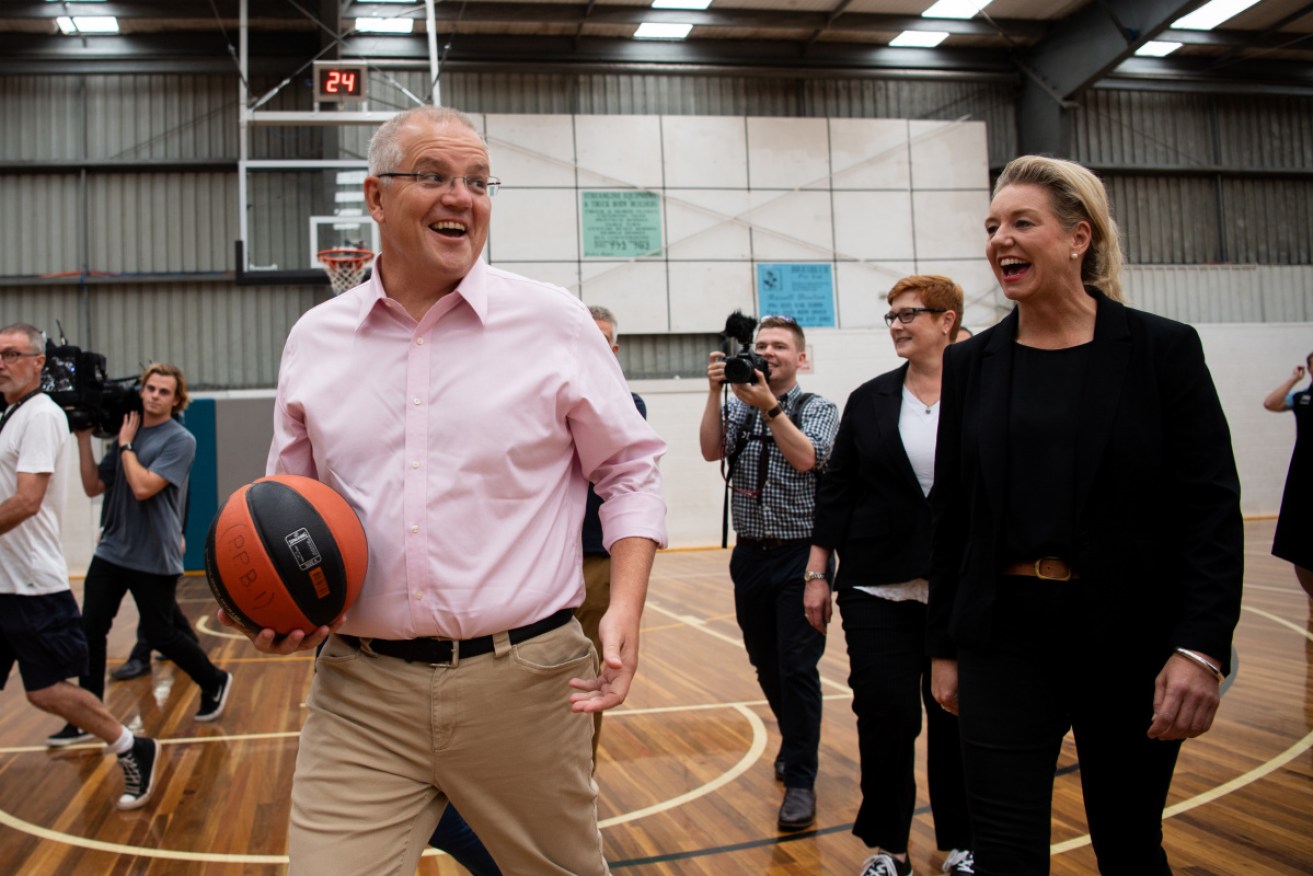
(773, 413)
(123, 448)
(808, 577)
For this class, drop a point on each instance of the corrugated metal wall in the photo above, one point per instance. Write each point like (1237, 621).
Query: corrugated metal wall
(1222, 293)
(136, 175)
(222, 336)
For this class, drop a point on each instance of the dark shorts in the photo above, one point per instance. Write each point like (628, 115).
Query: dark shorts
(43, 634)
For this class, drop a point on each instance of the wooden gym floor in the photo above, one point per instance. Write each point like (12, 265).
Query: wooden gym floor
(685, 766)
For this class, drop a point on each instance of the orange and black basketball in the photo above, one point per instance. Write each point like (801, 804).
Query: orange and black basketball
(287, 553)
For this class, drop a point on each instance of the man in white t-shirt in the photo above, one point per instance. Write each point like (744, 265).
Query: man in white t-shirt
(40, 628)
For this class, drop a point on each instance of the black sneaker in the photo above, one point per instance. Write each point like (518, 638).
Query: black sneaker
(139, 764)
(70, 735)
(885, 864)
(130, 669)
(213, 701)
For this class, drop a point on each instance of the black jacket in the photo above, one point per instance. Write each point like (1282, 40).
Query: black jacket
(870, 508)
(1159, 537)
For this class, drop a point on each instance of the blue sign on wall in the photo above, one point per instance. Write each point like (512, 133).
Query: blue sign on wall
(804, 291)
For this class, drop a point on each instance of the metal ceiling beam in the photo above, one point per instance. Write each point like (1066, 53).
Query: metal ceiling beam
(1077, 52)
(200, 12)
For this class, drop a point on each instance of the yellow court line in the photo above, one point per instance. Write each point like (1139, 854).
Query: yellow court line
(1269, 766)
(700, 624)
(751, 757)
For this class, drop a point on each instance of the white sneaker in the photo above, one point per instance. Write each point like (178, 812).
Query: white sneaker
(960, 862)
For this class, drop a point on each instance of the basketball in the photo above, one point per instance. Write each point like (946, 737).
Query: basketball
(287, 553)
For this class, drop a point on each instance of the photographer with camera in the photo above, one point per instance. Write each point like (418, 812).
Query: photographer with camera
(774, 440)
(143, 477)
(39, 625)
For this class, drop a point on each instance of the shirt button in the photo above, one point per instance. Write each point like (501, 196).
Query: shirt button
(419, 597)
(414, 463)
(417, 400)
(415, 528)
(419, 341)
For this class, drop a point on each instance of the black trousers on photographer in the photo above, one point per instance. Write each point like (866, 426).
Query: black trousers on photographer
(783, 648)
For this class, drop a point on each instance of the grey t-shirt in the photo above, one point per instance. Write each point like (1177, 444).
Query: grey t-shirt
(147, 536)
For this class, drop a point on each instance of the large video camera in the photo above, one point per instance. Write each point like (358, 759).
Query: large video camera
(76, 380)
(739, 366)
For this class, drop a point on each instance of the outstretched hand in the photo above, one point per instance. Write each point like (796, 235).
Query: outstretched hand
(619, 663)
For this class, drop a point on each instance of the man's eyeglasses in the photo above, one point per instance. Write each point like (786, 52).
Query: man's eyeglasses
(12, 356)
(907, 314)
(482, 186)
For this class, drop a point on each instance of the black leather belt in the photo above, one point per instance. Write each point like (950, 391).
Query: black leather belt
(447, 651)
(767, 544)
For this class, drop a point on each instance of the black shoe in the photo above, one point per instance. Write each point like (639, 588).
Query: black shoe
(131, 668)
(798, 811)
(70, 735)
(779, 770)
(213, 701)
(139, 764)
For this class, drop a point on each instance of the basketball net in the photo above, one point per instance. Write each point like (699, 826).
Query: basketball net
(345, 267)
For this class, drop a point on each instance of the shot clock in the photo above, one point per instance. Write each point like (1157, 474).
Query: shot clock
(336, 81)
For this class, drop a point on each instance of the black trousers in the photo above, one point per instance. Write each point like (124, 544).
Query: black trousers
(890, 678)
(141, 650)
(1044, 673)
(156, 598)
(783, 648)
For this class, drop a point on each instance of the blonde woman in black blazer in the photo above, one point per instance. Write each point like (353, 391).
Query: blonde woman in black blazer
(873, 510)
(1087, 548)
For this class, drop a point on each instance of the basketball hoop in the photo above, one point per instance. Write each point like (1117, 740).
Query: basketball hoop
(345, 267)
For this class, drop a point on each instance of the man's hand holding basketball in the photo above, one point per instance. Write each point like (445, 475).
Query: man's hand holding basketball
(268, 642)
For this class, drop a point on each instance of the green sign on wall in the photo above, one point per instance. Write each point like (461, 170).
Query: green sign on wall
(622, 224)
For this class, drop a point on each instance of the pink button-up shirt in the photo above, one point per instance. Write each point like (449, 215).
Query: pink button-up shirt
(465, 442)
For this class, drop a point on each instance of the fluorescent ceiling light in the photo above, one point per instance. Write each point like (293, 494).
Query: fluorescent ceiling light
(88, 24)
(1157, 49)
(650, 30)
(385, 25)
(680, 4)
(1210, 15)
(955, 9)
(919, 39)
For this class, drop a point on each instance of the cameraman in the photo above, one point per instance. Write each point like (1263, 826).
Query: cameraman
(143, 477)
(776, 442)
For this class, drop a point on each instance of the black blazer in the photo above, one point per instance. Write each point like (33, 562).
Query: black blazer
(870, 507)
(1159, 538)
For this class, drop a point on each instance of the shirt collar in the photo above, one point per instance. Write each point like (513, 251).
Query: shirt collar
(473, 290)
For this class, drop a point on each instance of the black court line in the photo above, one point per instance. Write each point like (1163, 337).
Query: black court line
(767, 841)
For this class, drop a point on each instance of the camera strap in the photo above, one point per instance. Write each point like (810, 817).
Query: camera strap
(763, 459)
(9, 411)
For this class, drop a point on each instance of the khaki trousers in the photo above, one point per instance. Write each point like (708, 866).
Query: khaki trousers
(597, 599)
(388, 743)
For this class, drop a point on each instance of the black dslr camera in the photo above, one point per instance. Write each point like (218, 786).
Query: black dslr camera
(75, 379)
(739, 366)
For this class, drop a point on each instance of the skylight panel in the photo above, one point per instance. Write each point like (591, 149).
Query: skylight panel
(919, 39)
(1210, 15)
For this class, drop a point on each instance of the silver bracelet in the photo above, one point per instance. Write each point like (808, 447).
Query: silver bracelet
(1202, 662)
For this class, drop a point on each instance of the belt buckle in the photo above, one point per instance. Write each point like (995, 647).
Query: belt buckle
(1039, 571)
(454, 660)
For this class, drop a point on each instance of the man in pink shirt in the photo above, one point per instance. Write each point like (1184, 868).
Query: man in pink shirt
(461, 410)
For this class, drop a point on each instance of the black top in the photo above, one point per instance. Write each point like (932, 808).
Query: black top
(1042, 416)
(1157, 499)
